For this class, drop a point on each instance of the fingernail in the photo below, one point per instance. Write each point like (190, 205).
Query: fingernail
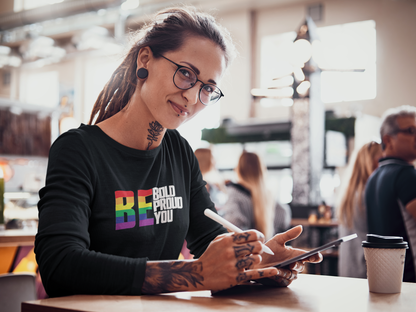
(266, 249)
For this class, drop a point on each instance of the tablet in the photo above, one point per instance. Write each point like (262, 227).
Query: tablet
(316, 250)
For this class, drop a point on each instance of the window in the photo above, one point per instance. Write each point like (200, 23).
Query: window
(343, 50)
(21, 5)
(348, 47)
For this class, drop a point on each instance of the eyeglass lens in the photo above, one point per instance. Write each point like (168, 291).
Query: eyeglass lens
(185, 78)
(409, 130)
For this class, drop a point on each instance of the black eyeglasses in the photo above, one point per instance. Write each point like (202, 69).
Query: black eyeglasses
(410, 130)
(185, 78)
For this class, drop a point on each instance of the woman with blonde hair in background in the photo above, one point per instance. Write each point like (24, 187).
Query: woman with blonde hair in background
(352, 212)
(250, 204)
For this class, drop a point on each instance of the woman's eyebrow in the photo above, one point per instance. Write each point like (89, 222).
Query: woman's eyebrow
(193, 68)
(196, 70)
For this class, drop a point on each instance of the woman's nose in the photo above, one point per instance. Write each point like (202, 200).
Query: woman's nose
(192, 94)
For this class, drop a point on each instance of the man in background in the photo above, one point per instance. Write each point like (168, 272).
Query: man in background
(391, 190)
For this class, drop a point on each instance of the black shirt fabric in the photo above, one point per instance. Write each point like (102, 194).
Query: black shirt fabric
(392, 181)
(107, 209)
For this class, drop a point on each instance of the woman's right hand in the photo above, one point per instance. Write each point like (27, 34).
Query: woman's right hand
(230, 258)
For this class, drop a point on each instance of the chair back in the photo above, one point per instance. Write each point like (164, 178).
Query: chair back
(16, 288)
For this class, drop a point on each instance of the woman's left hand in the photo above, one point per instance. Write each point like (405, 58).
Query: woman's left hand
(285, 276)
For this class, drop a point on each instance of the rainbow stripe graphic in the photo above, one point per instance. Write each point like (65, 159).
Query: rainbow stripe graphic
(144, 207)
(125, 209)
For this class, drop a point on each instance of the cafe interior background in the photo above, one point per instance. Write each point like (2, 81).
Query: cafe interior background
(307, 89)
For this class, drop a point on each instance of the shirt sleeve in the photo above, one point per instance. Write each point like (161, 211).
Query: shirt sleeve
(406, 185)
(66, 264)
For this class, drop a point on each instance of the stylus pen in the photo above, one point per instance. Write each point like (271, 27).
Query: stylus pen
(231, 227)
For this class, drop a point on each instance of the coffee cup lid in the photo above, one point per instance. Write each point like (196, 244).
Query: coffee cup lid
(378, 241)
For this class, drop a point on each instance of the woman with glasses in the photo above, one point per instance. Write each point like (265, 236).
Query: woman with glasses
(124, 192)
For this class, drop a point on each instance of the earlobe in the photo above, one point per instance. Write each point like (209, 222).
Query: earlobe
(143, 58)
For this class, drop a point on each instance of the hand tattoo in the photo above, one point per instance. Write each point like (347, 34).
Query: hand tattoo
(154, 131)
(242, 277)
(243, 250)
(243, 237)
(280, 281)
(244, 263)
(167, 276)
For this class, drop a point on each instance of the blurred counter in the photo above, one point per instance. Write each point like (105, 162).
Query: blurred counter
(25, 237)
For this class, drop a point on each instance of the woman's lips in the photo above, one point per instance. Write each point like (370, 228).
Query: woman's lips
(178, 109)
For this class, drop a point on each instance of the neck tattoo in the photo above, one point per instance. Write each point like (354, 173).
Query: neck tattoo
(155, 129)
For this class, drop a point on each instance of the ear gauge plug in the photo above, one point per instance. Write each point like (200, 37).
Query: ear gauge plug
(142, 73)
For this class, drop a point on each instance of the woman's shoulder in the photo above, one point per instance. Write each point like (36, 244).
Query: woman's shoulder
(231, 186)
(82, 132)
(175, 141)
(173, 135)
(73, 136)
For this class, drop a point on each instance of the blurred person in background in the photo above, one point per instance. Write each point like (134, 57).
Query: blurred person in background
(352, 213)
(250, 203)
(391, 191)
(123, 193)
(215, 183)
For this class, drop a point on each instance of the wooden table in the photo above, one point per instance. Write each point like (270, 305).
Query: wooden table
(308, 293)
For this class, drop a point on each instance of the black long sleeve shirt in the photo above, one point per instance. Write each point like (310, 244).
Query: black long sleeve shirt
(107, 209)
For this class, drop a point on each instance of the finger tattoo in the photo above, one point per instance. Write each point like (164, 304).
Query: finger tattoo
(244, 263)
(242, 277)
(241, 237)
(243, 250)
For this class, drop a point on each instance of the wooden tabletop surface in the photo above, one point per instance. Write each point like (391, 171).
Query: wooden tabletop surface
(308, 293)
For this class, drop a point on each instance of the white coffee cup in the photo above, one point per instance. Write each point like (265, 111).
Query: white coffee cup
(385, 257)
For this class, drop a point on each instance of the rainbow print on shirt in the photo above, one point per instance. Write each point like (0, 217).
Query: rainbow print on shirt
(154, 206)
(125, 215)
(144, 207)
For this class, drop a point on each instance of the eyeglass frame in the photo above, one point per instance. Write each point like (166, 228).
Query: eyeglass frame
(203, 84)
(409, 130)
